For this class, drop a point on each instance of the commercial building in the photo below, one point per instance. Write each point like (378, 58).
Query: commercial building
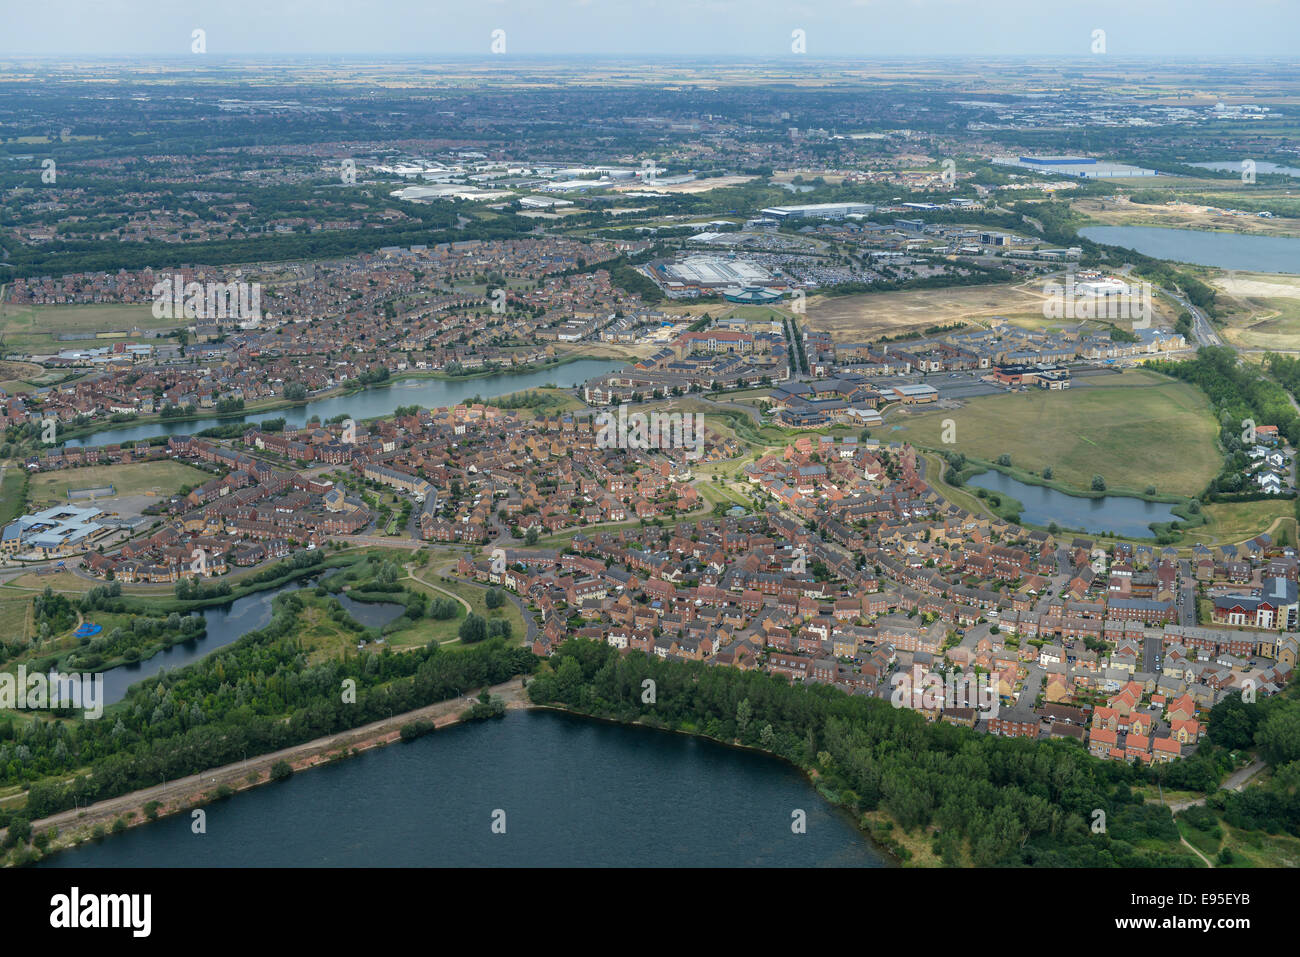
(714, 272)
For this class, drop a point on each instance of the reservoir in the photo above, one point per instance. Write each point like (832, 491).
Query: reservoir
(1120, 514)
(1276, 254)
(377, 401)
(575, 792)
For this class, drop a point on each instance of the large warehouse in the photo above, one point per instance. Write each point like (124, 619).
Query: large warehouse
(819, 211)
(1083, 167)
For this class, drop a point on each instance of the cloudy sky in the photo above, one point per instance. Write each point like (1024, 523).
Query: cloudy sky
(837, 28)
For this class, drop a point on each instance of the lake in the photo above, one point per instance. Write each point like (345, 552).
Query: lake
(372, 614)
(226, 623)
(1276, 254)
(1261, 166)
(377, 401)
(575, 792)
(1121, 514)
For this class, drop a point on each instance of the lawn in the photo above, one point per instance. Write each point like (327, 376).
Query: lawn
(136, 478)
(430, 582)
(1123, 430)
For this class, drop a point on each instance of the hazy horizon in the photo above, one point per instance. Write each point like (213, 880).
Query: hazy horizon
(838, 29)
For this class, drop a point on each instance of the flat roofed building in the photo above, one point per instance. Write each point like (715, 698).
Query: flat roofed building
(819, 211)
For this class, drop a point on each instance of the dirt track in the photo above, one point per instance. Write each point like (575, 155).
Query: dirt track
(197, 789)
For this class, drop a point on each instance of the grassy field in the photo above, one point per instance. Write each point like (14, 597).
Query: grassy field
(1239, 521)
(163, 478)
(15, 612)
(1121, 429)
(12, 494)
(36, 328)
(429, 581)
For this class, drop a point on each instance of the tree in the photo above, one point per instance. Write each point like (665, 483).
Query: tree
(494, 598)
(1278, 736)
(744, 713)
(1048, 473)
(1098, 483)
(473, 628)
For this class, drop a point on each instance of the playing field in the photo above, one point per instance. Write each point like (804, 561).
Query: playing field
(1135, 430)
(137, 478)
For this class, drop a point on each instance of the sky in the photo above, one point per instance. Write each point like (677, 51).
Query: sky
(723, 28)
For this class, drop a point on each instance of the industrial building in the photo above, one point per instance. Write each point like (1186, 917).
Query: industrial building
(1081, 167)
(819, 211)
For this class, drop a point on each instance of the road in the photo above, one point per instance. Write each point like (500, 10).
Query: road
(1236, 781)
(1201, 327)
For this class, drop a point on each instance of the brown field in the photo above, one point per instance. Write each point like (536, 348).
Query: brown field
(1265, 310)
(1106, 211)
(870, 315)
(14, 375)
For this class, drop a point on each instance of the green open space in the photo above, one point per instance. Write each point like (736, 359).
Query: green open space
(1135, 430)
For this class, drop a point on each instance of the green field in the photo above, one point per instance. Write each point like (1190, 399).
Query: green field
(1239, 521)
(12, 494)
(1135, 430)
(14, 610)
(163, 478)
(35, 329)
